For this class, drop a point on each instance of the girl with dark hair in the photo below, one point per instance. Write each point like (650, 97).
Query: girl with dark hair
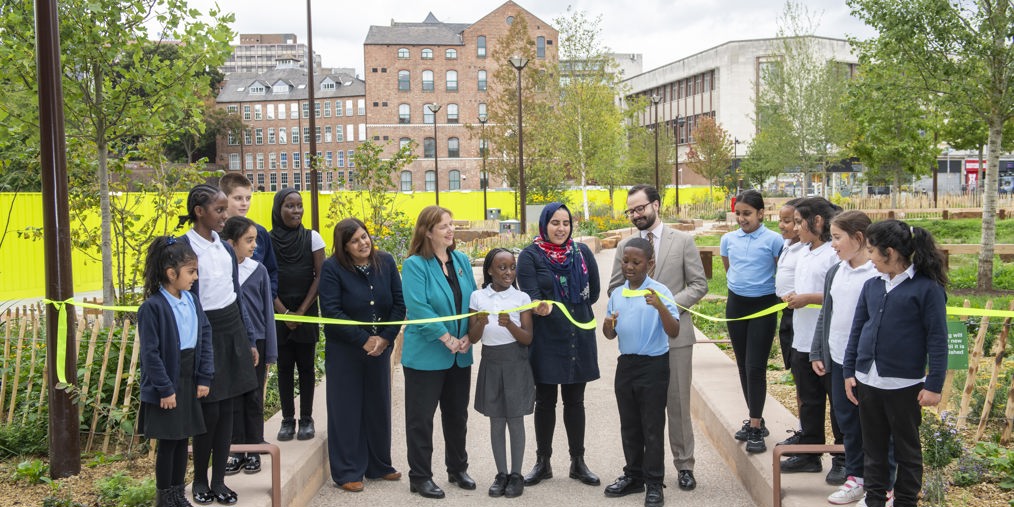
(750, 256)
(233, 340)
(176, 362)
(359, 282)
(437, 356)
(255, 282)
(785, 276)
(505, 388)
(300, 255)
(896, 356)
(813, 224)
(557, 268)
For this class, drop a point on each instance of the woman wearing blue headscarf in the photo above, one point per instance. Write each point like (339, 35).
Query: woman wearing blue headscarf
(557, 268)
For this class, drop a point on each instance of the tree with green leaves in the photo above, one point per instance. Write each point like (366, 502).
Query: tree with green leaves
(588, 121)
(892, 124)
(772, 151)
(710, 153)
(120, 89)
(961, 52)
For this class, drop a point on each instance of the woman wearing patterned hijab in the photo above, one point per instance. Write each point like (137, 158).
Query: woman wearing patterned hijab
(557, 268)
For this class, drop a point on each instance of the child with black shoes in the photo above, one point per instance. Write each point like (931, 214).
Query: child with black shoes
(644, 316)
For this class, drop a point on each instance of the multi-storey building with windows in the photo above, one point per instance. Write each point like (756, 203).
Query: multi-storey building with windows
(261, 52)
(273, 150)
(412, 65)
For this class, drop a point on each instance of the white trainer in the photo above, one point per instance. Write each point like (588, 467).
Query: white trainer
(888, 503)
(850, 492)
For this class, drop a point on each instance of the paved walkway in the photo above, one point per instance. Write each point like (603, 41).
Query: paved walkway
(717, 484)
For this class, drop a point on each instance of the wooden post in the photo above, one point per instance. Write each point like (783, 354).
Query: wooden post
(98, 391)
(17, 367)
(89, 355)
(31, 361)
(8, 324)
(116, 385)
(1005, 439)
(973, 369)
(999, 347)
(130, 382)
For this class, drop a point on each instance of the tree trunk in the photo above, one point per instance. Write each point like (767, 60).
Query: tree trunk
(896, 187)
(102, 149)
(584, 166)
(989, 197)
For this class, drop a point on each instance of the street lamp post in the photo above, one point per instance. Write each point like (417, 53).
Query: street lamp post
(482, 151)
(519, 63)
(655, 99)
(679, 129)
(434, 107)
(735, 155)
(311, 161)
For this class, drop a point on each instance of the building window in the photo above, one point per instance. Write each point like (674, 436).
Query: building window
(431, 181)
(233, 109)
(234, 161)
(247, 137)
(352, 163)
(285, 180)
(327, 134)
(453, 148)
(454, 180)
(232, 140)
(452, 80)
(306, 135)
(282, 135)
(427, 80)
(339, 134)
(328, 85)
(340, 161)
(272, 161)
(452, 113)
(540, 47)
(258, 115)
(294, 110)
(428, 147)
(403, 142)
(283, 160)
(295, 160)
(256, 89)
(246, 113)
(482, 109)
(329, 158)
(361, 106)
(316, 134)
(294, 139)
(271, 112)
(316, 109)
(271, 136)
(406, 181)
(348, 108)
(306, 109)
(338, 107)
(260, 161)
(260, 181)
(274, 182)
(428, 116)
(427, 54)
(480, 46)
(404, 113)
(248, 161)
(403, 53)
(482, 80)
(258, 136)
(451, 54)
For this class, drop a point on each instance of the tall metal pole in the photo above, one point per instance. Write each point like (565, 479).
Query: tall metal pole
(655, 99)
(310, 87)
(482, 151)
(64, 438)
(519, 63)
(436, 167)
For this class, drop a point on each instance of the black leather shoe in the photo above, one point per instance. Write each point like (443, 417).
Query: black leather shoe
(461, 479)
(253, 464)
(802, 464)
(755, 441)
(792, 440)
(179, 497)
(306, 431)
(426, 489)
(579, 471)
(744, 432)
(686, 480)
(202, 494)
(499, 483)
(654, 497)
(234, 464)
(837, 475)
(164, 498)
(287, 430)
(540, 472)
(515, 486)
(624, 486)
(224, 495)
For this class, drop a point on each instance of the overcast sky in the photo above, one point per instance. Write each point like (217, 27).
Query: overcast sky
(661, 30)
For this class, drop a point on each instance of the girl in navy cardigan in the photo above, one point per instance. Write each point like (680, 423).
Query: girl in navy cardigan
(899, 327)
(176, 361)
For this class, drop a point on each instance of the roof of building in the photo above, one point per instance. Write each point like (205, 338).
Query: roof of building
(430, 31)
(235, 88)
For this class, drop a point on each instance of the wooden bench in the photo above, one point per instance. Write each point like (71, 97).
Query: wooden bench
(1004, 250)
(276, 466)
(776, 457)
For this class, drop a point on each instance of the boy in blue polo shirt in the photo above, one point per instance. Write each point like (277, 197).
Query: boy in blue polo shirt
(644, 322)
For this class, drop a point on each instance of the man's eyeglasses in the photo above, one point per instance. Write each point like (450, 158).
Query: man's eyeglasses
(636, 209)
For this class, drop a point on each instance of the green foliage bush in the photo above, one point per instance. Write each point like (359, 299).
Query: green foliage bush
(32, 471)
(17, 439)
(1000, 461)
(941, 442)
(121, 490)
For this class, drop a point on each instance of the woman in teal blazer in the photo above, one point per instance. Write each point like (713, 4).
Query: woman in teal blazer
(437, 281)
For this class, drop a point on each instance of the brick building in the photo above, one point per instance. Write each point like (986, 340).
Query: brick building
(274, 105)
(411, 65)
(261, 52)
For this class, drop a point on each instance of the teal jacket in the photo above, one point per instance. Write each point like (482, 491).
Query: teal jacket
(427, 294)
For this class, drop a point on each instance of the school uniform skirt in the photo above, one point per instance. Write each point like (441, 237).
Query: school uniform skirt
(184, 421)
(505, 386)
(234, 368)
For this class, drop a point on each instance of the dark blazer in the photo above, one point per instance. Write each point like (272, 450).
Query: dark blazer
(560, 353)
(901, 330)
(250, 328)
(427, 294)
(347, 294)
(265, 255)
(160, 349)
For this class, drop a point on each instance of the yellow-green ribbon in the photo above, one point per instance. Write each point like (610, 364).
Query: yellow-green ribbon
(632, 293)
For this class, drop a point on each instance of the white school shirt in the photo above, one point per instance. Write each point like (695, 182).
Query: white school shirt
(488, 300)
(785, 276)
(214, 271)
(845, 290)
(247, 268)
(810, 272)
(873, 378)
(316, 241)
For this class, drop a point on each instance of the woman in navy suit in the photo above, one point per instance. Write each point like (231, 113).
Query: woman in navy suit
(436, 357)
(359, 283)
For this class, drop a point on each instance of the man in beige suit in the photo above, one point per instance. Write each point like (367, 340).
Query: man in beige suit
(678, 266)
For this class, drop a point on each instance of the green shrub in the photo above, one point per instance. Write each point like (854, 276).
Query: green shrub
(121, 490)
(28, 439)
(941, 442)
(32, 471)
(971, 470)
(1000, 462)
